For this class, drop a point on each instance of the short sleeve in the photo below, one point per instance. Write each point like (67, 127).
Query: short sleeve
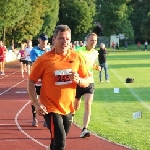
(33, 55)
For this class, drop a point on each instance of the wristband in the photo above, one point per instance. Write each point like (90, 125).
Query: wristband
(80, 81)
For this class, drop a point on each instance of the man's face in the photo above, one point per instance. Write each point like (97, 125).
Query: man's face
(62, 42)
(43, 43)
(29, 43)
(92, 41)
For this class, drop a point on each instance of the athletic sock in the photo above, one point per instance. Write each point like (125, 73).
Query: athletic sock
(83, 129)
(33, 111)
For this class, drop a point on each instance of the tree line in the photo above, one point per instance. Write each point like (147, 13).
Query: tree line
(26, 19)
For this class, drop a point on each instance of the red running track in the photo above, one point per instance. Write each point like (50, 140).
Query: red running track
(16, 132)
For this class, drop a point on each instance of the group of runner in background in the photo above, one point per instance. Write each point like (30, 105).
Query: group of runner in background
(115, 46)
(23, 55)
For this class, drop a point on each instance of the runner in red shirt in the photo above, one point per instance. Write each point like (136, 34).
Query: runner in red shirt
(2, 57)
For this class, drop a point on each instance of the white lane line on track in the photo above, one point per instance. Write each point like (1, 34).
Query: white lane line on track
(7, 124)
(22, 131)
(12, 87)
(132, 91)
(9, 140)
(18, 92)
(9, 74)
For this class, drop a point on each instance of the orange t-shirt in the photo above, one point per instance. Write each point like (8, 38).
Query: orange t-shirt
(58, 91)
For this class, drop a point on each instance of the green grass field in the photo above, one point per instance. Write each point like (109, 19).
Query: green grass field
(112, 113)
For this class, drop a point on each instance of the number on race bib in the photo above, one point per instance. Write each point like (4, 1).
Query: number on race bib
(62, 77)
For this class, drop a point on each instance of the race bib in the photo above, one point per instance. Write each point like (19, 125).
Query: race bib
(62, 77)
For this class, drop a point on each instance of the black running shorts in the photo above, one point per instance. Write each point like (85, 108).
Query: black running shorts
(23, 61)
(28, 62)
(81, 91)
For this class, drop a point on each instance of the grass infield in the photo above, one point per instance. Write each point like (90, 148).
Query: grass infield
(112, 113)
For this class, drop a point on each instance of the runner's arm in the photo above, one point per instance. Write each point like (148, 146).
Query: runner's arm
(82, 81)
(31, 91)
(41, 109)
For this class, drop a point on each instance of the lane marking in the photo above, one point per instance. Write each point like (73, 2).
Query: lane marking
(132, 91)
(9, 140)
(13, 140)
(7, 124)
(15, 100)
(22, 131)
(9, 74)
(21, 92)
(12, 87)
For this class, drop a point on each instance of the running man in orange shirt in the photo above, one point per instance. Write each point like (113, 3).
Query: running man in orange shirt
(60, 70)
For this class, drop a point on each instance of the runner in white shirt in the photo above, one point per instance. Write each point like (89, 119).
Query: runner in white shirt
(27, 58)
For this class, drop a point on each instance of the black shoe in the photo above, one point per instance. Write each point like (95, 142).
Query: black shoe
(45, 125)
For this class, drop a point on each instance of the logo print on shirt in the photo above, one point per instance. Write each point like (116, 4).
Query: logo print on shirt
(71, 61)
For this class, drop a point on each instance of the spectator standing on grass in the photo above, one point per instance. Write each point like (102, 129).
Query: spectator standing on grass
(113, 46)
(139, 46)
(2, 57)
(146, 44)
(90, 55)
(117, 46)
(102, 62)
(34, 54)
(61, 70)
(125, 45)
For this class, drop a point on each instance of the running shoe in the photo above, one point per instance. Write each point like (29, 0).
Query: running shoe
(44, 125)
(2, 73)
(48, 148)
(34, 122)
(85, 133)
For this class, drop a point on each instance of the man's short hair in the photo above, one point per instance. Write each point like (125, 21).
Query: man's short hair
(43, 37)
(102, 45)
(61, 28)
(94, 34)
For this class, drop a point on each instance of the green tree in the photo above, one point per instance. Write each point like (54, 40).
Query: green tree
(78, 15)
(51, 16)
(140, 18)
(11, 12)
(114, 17)
(31, 24)
(42, 16)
